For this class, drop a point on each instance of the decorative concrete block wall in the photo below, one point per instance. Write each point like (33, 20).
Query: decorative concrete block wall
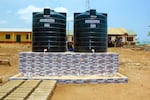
(49, 64)
(96, 81)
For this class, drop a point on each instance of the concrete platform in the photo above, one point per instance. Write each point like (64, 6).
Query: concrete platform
(118, 78)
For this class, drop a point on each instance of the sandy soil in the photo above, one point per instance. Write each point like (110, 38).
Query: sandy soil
(135, 64)
(10, 51)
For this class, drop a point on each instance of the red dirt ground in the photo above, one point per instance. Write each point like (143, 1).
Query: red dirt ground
(135, 64)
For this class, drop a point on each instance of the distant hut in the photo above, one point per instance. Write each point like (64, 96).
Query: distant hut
(119, 36)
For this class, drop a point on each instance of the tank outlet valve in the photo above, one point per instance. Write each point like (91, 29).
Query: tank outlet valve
(93, 50)
(45, 50)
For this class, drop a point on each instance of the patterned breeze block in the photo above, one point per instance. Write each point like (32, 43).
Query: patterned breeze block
(94, 81)
(54, 64)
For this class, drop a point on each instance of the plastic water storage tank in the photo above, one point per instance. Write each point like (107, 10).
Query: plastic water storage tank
(90, 31)
(49, 31)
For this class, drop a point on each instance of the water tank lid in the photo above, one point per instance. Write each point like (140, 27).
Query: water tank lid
(92, 12)
(46, 11)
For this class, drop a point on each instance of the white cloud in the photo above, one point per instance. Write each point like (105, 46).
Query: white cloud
(61, 9)
(3, 21)
(26, 13)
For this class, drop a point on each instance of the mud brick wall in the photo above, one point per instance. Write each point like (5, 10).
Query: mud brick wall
(48, 64)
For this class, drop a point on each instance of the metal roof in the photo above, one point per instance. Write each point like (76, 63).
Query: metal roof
(15, 30)
(120, 31)
(116, 31)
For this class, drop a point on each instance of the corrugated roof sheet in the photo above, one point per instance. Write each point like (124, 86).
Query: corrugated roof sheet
(120, 31)
(116, 31)
(15, 30)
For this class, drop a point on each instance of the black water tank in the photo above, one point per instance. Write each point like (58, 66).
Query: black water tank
(49, 31)
(90, 31)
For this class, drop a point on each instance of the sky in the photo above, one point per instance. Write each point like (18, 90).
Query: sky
(129, 14)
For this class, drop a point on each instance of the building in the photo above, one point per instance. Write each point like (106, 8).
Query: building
(15, 35)
(114, 34)
(24, 36)
(121, 36)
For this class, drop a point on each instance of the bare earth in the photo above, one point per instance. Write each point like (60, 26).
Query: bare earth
(135, 64)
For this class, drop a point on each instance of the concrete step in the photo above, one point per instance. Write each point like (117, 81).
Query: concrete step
(24, 90)
(30, 84)
(9, 87)
(10, 98)
(44, 90)
(27, 90)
